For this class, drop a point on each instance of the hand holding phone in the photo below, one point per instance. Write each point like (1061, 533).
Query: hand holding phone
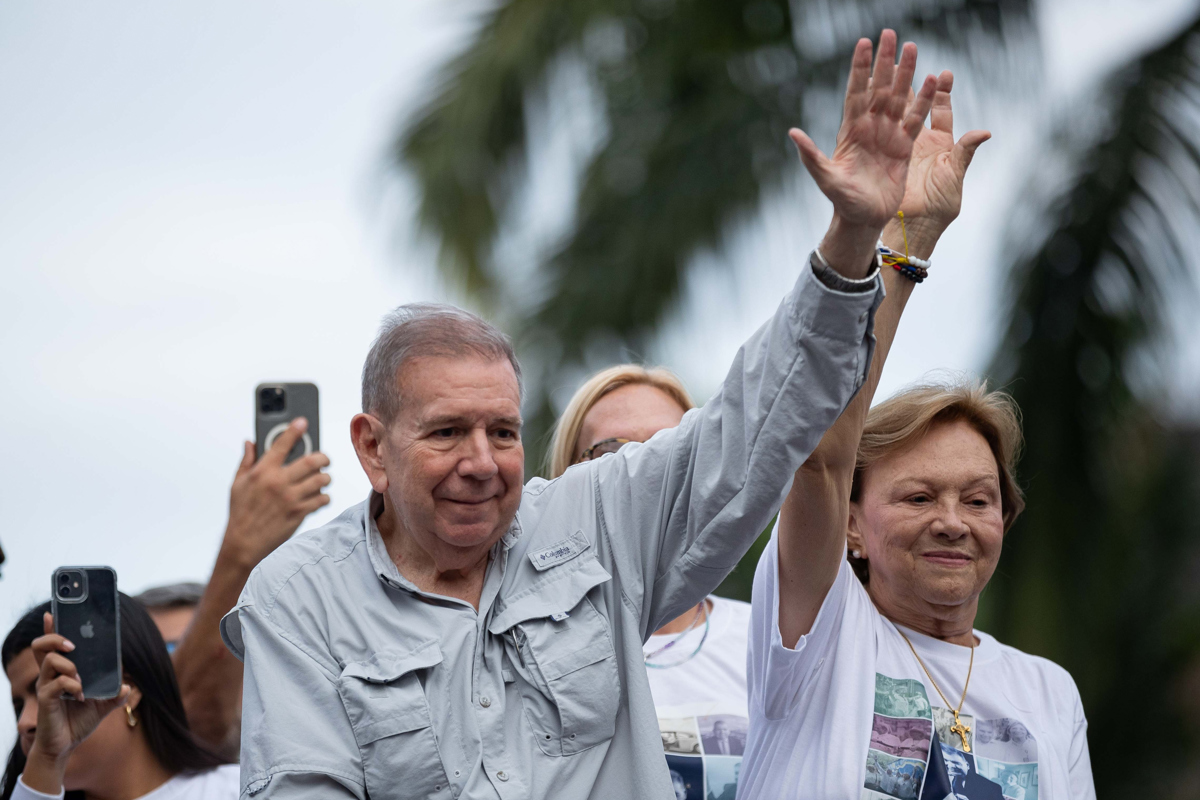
(74, 679)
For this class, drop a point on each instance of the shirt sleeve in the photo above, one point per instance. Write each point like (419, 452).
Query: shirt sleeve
(679, 511)
(1082, 786)
(287, 688)
(23, 792)
(776, 676)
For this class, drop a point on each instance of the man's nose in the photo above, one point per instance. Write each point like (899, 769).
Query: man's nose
(477, 461)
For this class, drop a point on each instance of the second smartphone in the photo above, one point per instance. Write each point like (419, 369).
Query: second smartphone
(275, 406)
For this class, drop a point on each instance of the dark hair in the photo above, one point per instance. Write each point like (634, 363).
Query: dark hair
(148, 667)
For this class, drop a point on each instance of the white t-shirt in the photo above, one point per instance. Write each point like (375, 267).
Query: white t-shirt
(220, 783)
(701, 702)
(850, 715)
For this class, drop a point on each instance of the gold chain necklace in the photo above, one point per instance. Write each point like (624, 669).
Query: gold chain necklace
(958, 727)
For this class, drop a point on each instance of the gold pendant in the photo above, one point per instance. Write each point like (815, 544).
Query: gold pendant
(962, 731)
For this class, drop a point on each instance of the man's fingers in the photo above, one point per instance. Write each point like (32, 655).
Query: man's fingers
(941, 116)
(920, 107)
(301, 468)
(284, 443)
(885, 67)
(247, 458)
(967, 145)
(860, 78)
(313, 503)
(902, 84)
(810, 155)
(313, 485)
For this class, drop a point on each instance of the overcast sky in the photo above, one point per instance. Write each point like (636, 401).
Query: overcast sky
(189, 205)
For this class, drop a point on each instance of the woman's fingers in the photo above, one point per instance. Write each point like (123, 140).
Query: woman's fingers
(920, 107)
(811, 156)
(941, 116)
(885, 65)
(967, 145)
(52, 690)
(50, 643)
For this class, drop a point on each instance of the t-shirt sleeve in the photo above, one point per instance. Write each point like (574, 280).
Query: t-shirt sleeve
(1079, 760)
(776, 675)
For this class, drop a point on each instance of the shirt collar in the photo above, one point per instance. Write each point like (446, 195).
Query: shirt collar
(382, 564)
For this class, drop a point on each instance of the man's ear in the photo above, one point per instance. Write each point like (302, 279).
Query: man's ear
(367, 434)
(854, 536)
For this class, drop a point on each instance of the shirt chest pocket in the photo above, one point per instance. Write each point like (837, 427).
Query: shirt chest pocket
(561, 650)
(385, 701)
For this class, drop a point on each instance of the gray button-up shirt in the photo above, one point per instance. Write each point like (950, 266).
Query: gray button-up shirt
(359, 684)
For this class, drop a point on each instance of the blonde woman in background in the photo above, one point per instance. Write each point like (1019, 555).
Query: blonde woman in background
(696, 663)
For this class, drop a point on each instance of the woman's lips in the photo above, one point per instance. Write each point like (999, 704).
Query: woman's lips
(947, 558)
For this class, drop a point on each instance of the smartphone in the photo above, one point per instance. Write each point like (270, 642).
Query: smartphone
(275, 406)
(87, 611)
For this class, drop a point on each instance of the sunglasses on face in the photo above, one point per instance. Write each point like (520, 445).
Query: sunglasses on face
(601, 447)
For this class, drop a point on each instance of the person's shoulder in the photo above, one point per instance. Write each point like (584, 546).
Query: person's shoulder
(737, 610)
(211, 784)
(1034, 669)
(317, 550)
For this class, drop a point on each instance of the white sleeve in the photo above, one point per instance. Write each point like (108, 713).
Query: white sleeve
(23, 792)
(1080, 761)
(776, 675)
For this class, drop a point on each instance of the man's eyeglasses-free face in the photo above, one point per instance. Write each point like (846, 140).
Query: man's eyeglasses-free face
(601, 447)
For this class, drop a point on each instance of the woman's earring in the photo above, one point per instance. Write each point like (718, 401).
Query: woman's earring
(855, 554)
(129, 717)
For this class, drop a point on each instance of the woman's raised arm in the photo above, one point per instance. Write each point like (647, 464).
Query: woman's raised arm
(812, 523)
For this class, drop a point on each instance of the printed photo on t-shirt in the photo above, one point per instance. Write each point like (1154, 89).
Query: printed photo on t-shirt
(1005, 740)
(896, 697)
(723, 734)
(721, 775)
(894, 776)
(687, 776)
(1016, 781)
(680, 735)
(943, 721)
(964, 778)
(906, 738)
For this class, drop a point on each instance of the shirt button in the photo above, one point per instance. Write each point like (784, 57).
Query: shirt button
(485, 702)
(502, 775)
(862, 317)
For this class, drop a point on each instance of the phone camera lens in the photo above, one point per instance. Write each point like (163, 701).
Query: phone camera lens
(272, 400)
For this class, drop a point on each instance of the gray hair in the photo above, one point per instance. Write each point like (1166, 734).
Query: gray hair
(174, 595)
(421, 330)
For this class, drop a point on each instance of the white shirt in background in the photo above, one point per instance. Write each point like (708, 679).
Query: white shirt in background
(701, 702)
(849, 714)
(220, 783)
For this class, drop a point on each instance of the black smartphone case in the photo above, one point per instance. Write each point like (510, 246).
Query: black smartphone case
(93, 625)
(301, 401)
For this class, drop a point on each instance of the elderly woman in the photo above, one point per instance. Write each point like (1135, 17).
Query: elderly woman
(845, 647)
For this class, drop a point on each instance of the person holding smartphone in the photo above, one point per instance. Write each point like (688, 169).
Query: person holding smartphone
(128, 746)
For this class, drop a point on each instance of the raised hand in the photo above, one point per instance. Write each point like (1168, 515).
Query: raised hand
(933, 192)
(62, 724)
(939, 164)
(866, 176)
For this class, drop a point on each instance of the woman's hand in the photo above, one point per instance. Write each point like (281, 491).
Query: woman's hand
(933, 190)
(866, 176)
(62, 723)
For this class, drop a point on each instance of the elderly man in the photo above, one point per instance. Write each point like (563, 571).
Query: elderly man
(459, 636)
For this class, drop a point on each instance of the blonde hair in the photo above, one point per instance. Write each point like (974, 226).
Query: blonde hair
(900, 421)
(566, 430)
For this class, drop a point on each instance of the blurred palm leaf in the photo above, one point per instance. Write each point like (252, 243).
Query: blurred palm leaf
(697, 96)
(1094, 573)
